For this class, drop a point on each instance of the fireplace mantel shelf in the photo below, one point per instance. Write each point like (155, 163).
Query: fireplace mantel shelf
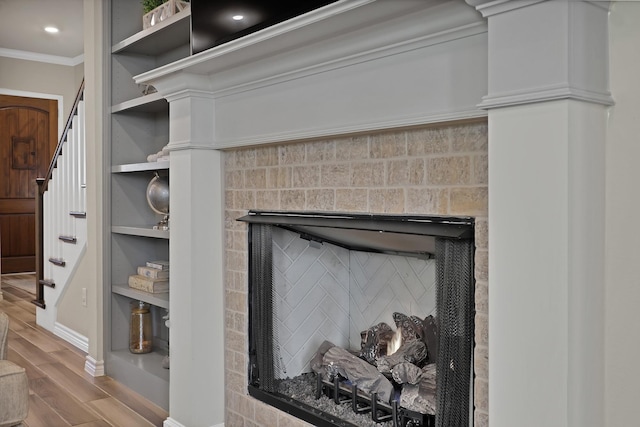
(346, 57)
(327, 38)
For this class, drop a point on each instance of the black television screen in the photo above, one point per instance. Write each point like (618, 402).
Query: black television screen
(214, 22)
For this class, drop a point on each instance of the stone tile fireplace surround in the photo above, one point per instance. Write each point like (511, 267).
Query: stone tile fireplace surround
(437, 170)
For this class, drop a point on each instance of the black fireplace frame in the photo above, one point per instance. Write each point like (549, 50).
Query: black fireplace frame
(330, 227)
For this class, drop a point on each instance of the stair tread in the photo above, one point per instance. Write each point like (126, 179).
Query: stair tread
(49, 283)
(68, 239)
(57, 261)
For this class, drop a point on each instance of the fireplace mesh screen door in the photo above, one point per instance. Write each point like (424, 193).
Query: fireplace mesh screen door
(455, 313)
(262, 362)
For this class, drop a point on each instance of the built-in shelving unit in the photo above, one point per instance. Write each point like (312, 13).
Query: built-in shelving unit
(138, 125)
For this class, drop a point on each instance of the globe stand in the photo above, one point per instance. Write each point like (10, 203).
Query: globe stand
(163, 224)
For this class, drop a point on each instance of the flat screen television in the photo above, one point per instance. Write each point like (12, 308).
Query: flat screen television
(214, 22)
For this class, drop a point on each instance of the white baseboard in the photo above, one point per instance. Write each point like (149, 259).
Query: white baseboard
(94, 367)
(71, 336)
(170, 422)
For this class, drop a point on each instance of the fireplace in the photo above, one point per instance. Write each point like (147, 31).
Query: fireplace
(330, 294)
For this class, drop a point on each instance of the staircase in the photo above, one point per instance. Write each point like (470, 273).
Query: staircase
(61, 229)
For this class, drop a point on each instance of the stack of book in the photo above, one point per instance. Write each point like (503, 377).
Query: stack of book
(152, 277)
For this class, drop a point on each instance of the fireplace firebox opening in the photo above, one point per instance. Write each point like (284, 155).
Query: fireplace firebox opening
(361, 319)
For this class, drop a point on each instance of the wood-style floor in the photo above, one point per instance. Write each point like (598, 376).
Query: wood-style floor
(61, 392)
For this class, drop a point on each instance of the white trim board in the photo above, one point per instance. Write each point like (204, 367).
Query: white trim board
(71, 336)
(42, 57)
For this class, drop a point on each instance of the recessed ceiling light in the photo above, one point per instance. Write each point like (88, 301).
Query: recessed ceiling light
(51, 30)
(237, 17)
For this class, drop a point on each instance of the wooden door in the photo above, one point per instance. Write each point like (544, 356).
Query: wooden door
(28, 137)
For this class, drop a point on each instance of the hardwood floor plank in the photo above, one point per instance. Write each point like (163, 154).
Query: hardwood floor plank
(37, 338)
(14, 324)
(116, 413)
(133, 400)
(98, 423)
(9, 296)
(27, 305)
(17, 314)
(73, 383)
(61, 401)
(20, 314)
(19, 293)
(29, 351)
(41, 414)
(62, 342)
(73, 361)
(32, 371)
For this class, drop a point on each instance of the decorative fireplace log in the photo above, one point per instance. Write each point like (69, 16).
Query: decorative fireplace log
(421, 397)
(413, 352)
(406, 373)
(374, 342)
(338, 361)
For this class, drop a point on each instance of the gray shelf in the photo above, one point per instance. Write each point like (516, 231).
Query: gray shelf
(147, 231)
(140, 167)
(152, 103)
(159, 300)
(162, 37)
(142, 373)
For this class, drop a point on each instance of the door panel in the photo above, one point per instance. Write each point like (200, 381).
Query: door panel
(28, 129)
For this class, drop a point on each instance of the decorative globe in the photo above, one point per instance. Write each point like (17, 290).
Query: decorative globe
(158, 199)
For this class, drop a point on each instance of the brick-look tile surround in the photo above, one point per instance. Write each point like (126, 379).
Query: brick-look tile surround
(436, 170)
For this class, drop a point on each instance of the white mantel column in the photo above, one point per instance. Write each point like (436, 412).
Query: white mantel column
(197, 252)
(547, 100)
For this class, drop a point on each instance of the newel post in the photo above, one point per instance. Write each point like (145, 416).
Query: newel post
(39, 301)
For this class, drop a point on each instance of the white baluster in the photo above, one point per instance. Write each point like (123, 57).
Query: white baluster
(83, 163)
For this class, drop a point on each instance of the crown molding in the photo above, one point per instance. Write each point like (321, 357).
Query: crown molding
(325, 132)
(41, 57)
(543, 94)
(494, 7)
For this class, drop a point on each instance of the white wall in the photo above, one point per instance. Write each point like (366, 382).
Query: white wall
(622, 205)
(39, 77)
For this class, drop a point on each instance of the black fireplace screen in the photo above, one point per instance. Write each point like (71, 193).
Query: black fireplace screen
(454, 319)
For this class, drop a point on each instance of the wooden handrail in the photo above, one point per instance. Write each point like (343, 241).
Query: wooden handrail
(42, 184)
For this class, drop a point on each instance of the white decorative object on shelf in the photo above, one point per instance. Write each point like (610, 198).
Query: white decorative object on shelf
(162, 12)
(160, 156)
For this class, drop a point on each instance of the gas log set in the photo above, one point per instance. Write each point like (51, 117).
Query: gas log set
(393, 376)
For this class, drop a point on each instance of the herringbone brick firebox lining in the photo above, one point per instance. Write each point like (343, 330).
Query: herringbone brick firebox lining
(435, 170)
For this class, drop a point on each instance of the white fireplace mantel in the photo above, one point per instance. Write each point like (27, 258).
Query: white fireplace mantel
(539, 71)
